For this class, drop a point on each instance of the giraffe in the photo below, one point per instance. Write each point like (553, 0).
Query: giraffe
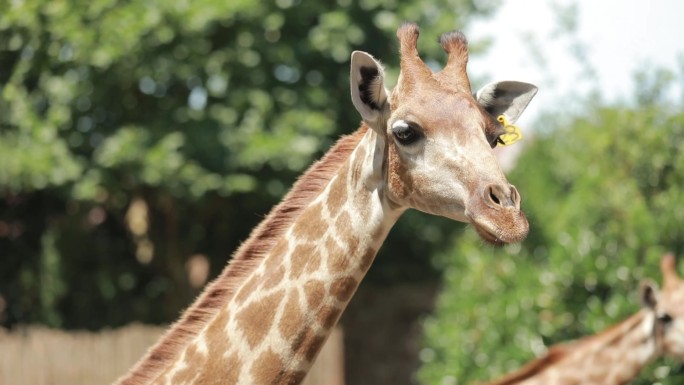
(427, 145)
(616, 355)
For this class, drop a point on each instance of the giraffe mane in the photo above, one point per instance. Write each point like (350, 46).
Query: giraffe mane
(245, 260)
(554, 354)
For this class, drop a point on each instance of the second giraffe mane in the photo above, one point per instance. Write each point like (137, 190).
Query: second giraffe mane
(555, 354)
(245, 260)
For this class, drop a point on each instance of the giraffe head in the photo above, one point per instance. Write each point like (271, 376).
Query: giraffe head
(668, 306)
(438, 136)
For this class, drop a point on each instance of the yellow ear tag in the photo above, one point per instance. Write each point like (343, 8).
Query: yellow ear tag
(512, 132)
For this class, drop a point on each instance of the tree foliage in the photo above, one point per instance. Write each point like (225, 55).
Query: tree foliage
(603, 195)
(139, 137)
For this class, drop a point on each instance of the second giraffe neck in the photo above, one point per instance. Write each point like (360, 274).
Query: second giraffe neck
(613, 357)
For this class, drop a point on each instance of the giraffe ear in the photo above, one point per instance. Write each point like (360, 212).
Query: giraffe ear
(509, 98)
(368, 91)
(648, 293)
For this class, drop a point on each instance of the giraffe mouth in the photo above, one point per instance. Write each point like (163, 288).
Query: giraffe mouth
(511, 226)
(488, 235)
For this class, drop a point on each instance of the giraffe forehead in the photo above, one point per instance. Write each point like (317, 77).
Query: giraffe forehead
(444, 111)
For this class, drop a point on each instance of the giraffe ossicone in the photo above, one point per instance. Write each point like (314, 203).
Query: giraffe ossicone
(617, 355)
(426, 145)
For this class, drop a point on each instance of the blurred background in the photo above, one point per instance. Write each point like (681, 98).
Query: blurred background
(141, 141)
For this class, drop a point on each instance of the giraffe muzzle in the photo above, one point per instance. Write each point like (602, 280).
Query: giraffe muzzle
(496, 216)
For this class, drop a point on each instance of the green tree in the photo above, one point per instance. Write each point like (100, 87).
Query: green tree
(603, 193)
(137, 134)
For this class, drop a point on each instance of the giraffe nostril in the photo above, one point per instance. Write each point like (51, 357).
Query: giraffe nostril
(502, 196)
(515, 196)
(493, 197)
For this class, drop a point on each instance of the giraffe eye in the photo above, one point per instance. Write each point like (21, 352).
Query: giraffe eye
(665, 318)
(405, 133)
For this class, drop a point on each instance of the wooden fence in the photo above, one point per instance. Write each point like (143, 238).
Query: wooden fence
(41, 356)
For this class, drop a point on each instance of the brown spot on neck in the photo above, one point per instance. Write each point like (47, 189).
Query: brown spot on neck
(337, 260)
(268, 368)
(293, 377)
(338, 195)
(223, 371)
(343, 288)
(255, 321)
(367, 260)
(310, 226)
(309, 344)
(328, 316)
(303, 255)
(293, 316)
(315, 291)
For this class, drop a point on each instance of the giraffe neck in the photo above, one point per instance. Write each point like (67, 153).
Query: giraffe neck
(613, 357)
(244, 261)
(272, 329)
